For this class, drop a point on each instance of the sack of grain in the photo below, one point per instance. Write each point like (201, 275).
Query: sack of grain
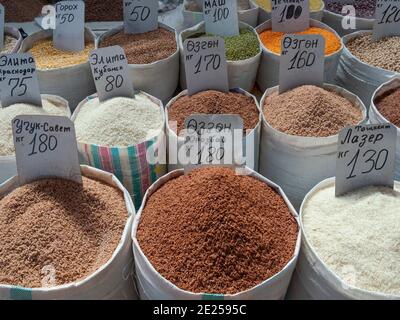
(156, 77)
(137, 164)
(250, 142)
(359, 77)
(67, 75)
(376, 117)
(154, 285)
(296, 162)
(241, 73)
(112, 280)
(268, 74)
(12, 40)
(347, 251)
(52, 105)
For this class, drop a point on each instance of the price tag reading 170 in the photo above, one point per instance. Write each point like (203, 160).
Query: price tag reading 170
(110, 73)
(221, 17)
(69, 34)
(45, 147)
(387, 19)
(302, 61)
(290, 15)
(205, 65)
(366, 157)
(18, 80)
(140, 16)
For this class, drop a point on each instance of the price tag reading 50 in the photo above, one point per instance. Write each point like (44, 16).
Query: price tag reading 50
(140, 16)
(366, 157)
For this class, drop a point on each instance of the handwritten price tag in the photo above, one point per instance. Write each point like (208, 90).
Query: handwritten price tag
(110, 73)
(302, 61)
(140, 16)
(366, 157)
(387, 19)
(221, 17)
(290, 15)
(205, 65)
(213, 139)
(45, 147)
(18, 80)
(69, 34)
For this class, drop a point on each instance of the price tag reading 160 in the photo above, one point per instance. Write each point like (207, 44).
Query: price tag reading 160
(366, 157)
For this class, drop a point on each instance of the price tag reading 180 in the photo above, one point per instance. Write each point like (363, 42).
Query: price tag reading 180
(140, 16)
(302, 61)
(45, 147)
(205, 65)
(69, 34)
(18, 80)
(110, 73)
(366, 157)
(221, 17)
(387, 19)
(290, 15)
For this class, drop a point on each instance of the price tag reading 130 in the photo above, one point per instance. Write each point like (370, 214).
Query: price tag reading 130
(140, 16)
(205, 65)
(290, 15)
(366, 157)
(387, 19)
(45, 147)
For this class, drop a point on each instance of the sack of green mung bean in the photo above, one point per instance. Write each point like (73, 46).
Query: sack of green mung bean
(243, 53)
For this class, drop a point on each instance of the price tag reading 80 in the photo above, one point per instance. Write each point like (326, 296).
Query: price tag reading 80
(45, 147)
(205, 64)
(140, 16)
(366, 157)
(290, 16)
(387, 19)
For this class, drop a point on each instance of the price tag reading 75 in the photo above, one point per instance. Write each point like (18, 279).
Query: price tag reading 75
(366, 157)
(140, 16)
(205, 65)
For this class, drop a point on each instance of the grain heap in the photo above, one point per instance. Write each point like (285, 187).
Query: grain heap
(50, 107)
(383, 53)
(9, 44)
(357, 235)
(214, 102)
(23, 10)
(100, 10)
(364, 8)
(213, 231)
(118, 122)
(310, 111)
(389, 106)
(61, 225)
(48, 57)
(146, 47)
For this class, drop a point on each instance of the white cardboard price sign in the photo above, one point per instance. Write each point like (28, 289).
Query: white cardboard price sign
(18, 80)
(302, 61)
(205, 64)
(45, 147)
(366, 157)
(387, 19)
(221, 17)
(2, 15)
(213, 139)
(290, 15)
(69, 34)
(140, 16)
(110, 73)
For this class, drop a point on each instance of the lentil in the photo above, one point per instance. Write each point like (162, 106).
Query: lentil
(315, 5)
(389, 106)
(310, 111)
(357, 233)
(23, 10)
(100, 10)
(364, 8)
(212, 231)
(241, 47)
(214, 102)
(48, 57)
(383, 53)
(144, 48)
(9, 44)
(273, 40)
(50, 107)
(118, 121)
(73, 228)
